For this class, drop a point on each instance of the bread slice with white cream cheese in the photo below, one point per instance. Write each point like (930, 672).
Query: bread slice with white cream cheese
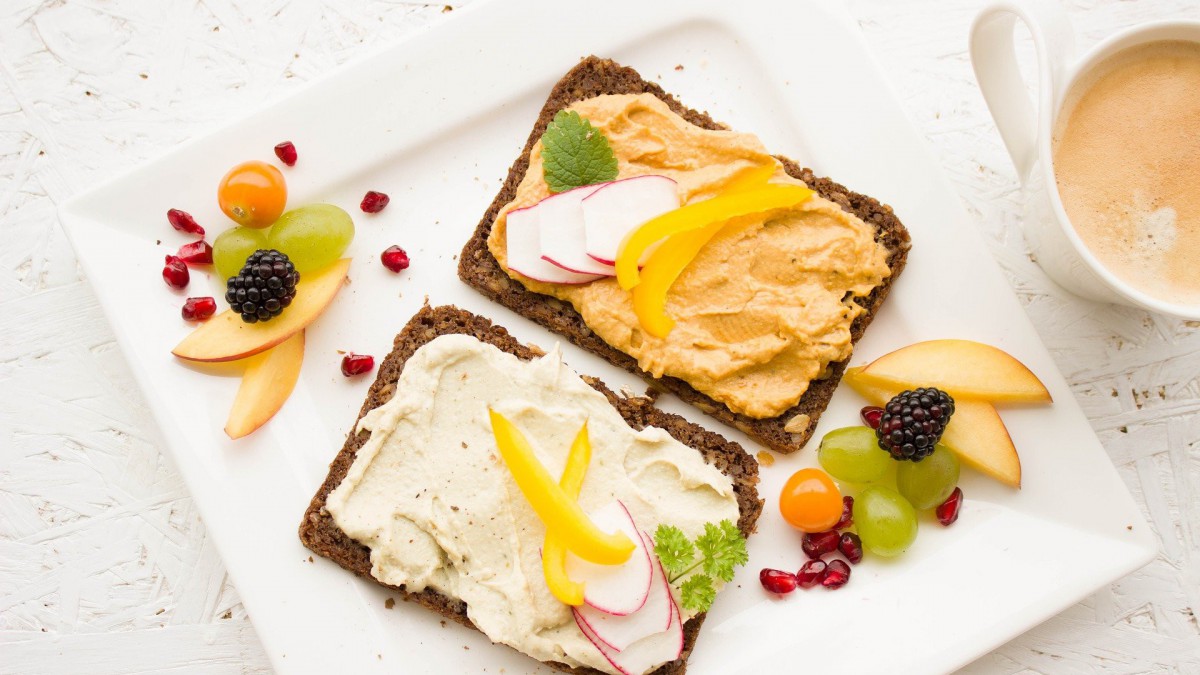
(320, 530)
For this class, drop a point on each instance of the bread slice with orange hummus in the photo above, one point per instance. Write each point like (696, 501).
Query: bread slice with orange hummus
(320, 531)
(769, 312)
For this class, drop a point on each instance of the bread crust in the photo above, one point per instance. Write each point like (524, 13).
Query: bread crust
(478, 268)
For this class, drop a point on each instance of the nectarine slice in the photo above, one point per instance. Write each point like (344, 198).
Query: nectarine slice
(225, 337)
(975, 433)
(266, 385)
(961, 368)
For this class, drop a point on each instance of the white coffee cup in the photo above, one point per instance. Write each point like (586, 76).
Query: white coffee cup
(1027, 132)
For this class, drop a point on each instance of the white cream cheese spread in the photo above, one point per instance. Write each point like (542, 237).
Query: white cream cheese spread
(430, 496)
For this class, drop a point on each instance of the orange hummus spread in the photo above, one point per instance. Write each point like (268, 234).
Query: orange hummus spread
(764, 307)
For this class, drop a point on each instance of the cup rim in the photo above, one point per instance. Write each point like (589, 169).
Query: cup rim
(1120, 40)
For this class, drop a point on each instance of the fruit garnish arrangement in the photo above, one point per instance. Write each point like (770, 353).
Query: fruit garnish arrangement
(933, 409)
(616, 577)
(281, 269)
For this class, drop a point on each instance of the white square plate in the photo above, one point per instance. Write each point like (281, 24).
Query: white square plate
(435, 121)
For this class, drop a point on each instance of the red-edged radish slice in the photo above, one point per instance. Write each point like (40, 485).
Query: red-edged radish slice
(662, 574)
(645, 654)
(615, 209)
(560, 220)
(618, 632)
(524, 251)
(615, 589)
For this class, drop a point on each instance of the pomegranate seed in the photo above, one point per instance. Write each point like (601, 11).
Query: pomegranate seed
(871, 415)
(811, 573)
(394, 258)
(175, 272)
(851, 547)
(196, 253)
(357, 364)
(847, 518)
(199, 309)
(373, 202)
(817, 544)
(286, 152)
(777, 581)
(837, 573)
(184, 222)
(947, 511)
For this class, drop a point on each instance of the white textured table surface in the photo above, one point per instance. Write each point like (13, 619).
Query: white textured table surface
(104, 564)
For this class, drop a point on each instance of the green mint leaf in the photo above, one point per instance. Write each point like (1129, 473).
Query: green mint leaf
(722, 549)
(697, 593)
(574, 153)
(673, 549)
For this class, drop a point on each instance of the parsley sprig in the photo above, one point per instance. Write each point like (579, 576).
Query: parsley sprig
(721, 549)
(574, 153)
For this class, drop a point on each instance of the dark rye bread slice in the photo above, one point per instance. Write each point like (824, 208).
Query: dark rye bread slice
(320, 534)
(480, 270)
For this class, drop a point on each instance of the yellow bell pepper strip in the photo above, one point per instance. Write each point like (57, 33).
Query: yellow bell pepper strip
(751, 178)
(561, 514)
(668, 261)
(695, 216)
(554, 550)
(662, 269)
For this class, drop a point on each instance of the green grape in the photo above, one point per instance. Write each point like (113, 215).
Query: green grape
(853, 455)
(312, 236)
(930, 481)
(233, 246)
(885, 520)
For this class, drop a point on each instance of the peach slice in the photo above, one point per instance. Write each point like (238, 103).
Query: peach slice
(975, 433)
(225, 337)
(961, 368)
(266, 384)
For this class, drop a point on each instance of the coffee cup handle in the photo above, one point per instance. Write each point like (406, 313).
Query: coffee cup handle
(993, 56)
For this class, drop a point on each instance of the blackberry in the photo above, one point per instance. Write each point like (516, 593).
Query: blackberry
(264, 287)
(913, 422)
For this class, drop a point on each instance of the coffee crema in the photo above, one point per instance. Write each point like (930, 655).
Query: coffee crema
(1127, 164)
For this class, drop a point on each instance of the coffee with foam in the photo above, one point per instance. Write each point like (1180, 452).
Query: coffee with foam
(1127, 164)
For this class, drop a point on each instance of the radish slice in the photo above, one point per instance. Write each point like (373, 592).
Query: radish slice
(662, 574)
(645, 654)
(560, 219)
(615, 589)
(524, 251)
(617, 208)
(618, 632)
